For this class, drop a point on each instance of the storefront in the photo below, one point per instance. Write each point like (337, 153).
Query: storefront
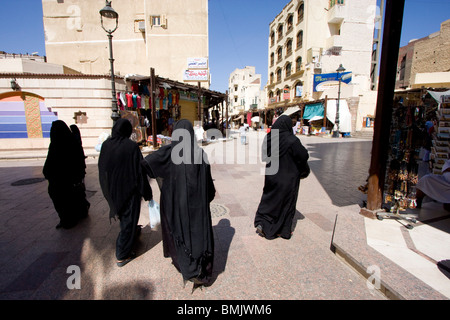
(153, 115)
(419, 133)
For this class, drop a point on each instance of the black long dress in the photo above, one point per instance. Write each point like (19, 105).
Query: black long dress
(123, 183)
(187, 191)
(277, 207)
(65, 169)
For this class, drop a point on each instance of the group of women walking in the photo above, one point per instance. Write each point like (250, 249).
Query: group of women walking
(187, 190)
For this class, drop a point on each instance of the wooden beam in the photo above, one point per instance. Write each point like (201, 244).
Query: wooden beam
(152, 94)
(388, 68)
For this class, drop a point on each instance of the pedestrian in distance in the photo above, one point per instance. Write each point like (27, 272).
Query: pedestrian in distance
(243, 133)
(65, 169)
(186, 192)
(277, 207)
(123, 184)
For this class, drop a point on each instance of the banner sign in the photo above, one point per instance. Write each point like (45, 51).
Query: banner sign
(330, 80)
(195, 75)
(197, 63)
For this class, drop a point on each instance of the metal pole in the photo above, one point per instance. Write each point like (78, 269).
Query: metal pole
(336, 133)
(115, 115)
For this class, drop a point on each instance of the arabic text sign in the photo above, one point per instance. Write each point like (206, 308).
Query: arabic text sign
(195, 75)
(197, 63)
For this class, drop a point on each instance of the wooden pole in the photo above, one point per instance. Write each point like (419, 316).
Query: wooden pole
(324, 124)
(388, 68)
(199, 93)
(152, 95)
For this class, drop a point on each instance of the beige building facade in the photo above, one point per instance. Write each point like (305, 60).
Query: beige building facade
(244, 88)
(313, 37)
(166, 35)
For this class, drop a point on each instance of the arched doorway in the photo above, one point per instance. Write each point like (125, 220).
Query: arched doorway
(24, 115)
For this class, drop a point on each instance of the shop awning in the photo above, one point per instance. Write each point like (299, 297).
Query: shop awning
(313, 110)
(291, 110)
(345, 118)
(438, 94)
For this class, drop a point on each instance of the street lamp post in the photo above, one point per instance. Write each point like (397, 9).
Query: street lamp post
(110, 15)
(339, 71)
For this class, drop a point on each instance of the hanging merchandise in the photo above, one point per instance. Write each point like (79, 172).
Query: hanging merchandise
(412, 133)
(406, 141)
(440, 150)
(129, 97)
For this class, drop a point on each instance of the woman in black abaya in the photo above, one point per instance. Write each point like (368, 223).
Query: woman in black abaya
(277, 207)
(65, 169)
(187, 191)
(123, 184)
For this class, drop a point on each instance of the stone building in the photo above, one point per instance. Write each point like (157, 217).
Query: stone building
(425, 61)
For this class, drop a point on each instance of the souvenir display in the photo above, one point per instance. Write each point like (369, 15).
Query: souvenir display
(408, 136)
(440, 149)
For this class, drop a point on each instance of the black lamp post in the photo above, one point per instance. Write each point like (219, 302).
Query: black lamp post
(339, 70)
(110, 15)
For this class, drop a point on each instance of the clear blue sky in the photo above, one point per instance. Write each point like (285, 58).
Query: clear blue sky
(238, 30)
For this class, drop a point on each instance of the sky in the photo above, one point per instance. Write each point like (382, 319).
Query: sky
(238, 31)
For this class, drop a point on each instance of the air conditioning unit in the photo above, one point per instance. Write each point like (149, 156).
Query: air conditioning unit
(164, 21)
(318, 65)
(142, 26)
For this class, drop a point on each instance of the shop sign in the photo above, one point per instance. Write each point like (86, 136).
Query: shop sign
(195, 75)
(326, 81)
(286, 94)
(197, 63)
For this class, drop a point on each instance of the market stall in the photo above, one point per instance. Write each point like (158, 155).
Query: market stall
(418, 122)
(154, 113)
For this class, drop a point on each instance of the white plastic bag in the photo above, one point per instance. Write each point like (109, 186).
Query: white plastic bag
(155, 217)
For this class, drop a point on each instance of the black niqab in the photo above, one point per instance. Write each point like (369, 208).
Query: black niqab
(277, 207)
(120, 173)
(281, 130)
(65, 158)
(187, 190)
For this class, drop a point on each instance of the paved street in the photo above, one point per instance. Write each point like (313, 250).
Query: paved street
(35, 256)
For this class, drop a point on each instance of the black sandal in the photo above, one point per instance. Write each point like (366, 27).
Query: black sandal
(260, 231)
(125, 261)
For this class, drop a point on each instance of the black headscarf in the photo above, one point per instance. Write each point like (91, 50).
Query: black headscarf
(281, 129)
(120, 173)
(187, 190)
(65, 157)
(77, 136)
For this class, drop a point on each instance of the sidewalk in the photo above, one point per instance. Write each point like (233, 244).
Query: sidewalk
(333, 251)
